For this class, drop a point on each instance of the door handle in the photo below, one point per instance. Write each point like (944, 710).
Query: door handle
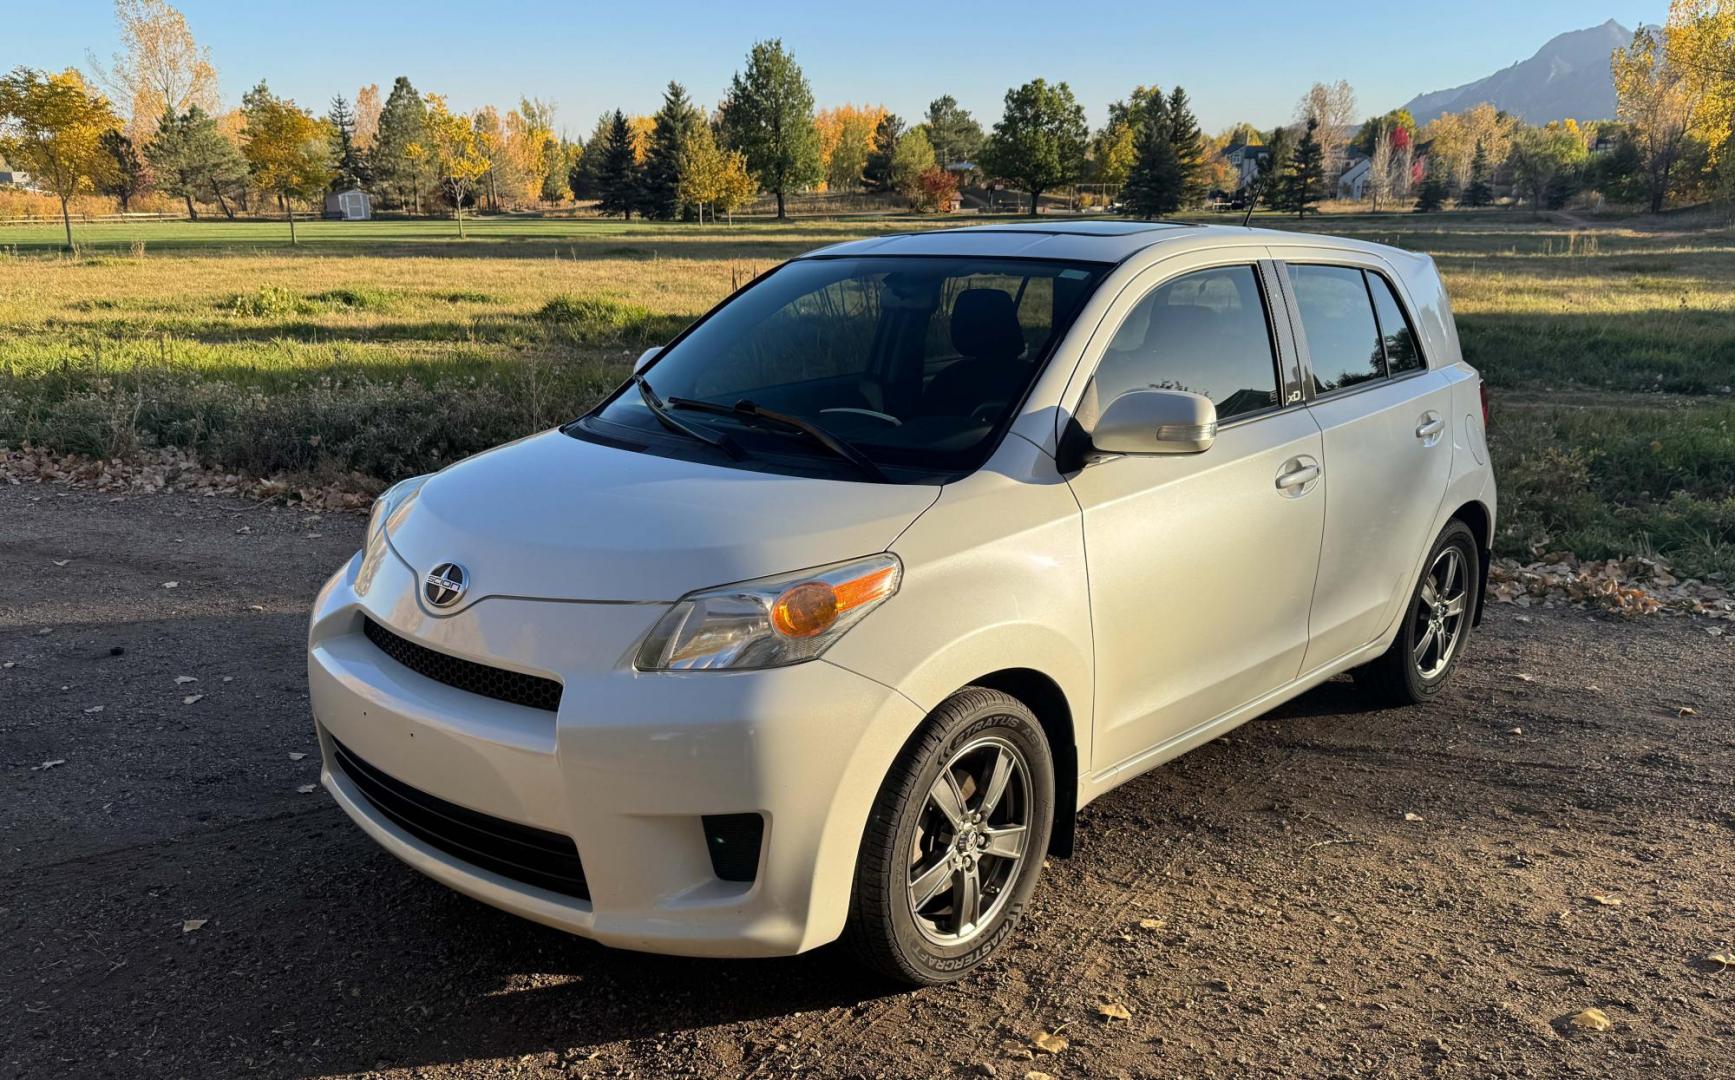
(1300, 476)
(1432, 424)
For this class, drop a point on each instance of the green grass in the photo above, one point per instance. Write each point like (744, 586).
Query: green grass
(390, 347)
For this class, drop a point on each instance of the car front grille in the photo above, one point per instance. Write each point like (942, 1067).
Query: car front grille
(502, 685)
(547, 860)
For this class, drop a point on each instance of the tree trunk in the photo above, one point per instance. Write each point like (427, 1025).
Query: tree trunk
(192, 214)
(1035, 196)
(781, 215)
(222, 202)
(292, 240)
(458, 209)
(66, 219)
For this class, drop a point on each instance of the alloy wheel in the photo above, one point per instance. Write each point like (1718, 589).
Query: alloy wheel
(1441, 607)
(970, 841)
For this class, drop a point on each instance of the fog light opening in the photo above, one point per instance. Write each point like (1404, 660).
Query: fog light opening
(733, 841)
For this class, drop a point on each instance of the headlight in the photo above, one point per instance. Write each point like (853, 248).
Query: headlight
(770, 622)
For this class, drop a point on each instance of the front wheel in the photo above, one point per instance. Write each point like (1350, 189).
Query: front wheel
(955, 842)
(1436, 624)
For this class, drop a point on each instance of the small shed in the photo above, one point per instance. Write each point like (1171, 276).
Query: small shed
(352, 204)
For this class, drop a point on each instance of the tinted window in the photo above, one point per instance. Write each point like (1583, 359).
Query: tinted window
(914, 361)
(1343, 341)
(1401, 351)
(1204, 332)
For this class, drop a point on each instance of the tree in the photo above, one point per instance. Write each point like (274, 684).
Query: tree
(768, 116)
(936, 189)
(1380, 165)
(399, 157)
(288, 150)
(1155, 186)
(1038, 142)
(53, 126)
(701, 178)
(1480, 190)
(1539, 158)
(1331, 106)
(539, 160)
(351, 169)
(192, 160)
(1281, 151)
(1369, 132)
(954, 134)
(1189, 146)
(911, 157)
(125, 175)
(1113, 154)
(456, 149)
(161, 68)
(1431, 196)
(846, 137)
(1699, 44)
(1304, 182)
(1660, 102)
(665, 161)
(367, 117)
(878, 172)
(584, 178)
(617, 177)
(737, 185)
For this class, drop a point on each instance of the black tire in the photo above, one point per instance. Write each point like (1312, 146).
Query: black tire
(883, 928)
(1398, 677)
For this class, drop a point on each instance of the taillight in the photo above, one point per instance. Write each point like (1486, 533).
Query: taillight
(1482, 387)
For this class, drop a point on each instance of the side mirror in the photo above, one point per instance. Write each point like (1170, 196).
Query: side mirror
(645, 358)
(1156, 422)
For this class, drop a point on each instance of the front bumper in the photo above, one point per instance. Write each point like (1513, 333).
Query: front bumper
(626, 767)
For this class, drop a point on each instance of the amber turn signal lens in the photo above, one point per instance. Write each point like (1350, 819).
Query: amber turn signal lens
(805, 610)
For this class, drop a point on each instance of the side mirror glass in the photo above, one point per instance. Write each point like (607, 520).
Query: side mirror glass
(645, 358)
(1156, 422)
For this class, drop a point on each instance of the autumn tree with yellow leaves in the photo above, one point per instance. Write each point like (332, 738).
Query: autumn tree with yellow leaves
(53, 127)
(846, 138)
(1675, 87)
(160, 70)
(459, 156)
(287, 149)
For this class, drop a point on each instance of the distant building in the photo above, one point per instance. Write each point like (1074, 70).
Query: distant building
(1353, 184)
(17, 179)
(1247, 161)
(353, 204)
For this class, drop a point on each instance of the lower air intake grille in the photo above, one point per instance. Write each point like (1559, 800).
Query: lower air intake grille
(547, 860)
(497, 683)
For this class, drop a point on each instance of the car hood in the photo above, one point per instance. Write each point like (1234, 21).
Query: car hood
(555, 517)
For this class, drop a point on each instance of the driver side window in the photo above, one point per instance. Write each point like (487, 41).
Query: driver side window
(1205, 332)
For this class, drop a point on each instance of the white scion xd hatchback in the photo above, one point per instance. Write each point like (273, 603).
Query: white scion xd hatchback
(829, 620)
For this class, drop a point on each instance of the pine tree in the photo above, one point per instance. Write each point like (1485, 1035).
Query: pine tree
(1280, 149)
(399, 159)
(351, 169)
(1479, 192)
(665, 161)
(1305, 180)
(618, 177)
(1155, 186)
(1431, 196)
(1189, 148)
(878, 173)
(126, 173)
(191, 159)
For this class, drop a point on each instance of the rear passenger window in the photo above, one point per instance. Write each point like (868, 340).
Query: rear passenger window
(1343, 341)
(1204, 332)
(1401, 352)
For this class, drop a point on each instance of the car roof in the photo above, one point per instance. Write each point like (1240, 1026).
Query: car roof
(1081, 240)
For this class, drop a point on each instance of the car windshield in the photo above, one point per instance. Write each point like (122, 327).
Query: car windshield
(915, 363)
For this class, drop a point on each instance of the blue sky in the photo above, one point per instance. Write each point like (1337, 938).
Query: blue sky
(1248, 60)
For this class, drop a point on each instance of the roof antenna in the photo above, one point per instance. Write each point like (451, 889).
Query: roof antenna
(1253, 199)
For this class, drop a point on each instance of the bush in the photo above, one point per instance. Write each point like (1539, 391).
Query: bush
(600, 320)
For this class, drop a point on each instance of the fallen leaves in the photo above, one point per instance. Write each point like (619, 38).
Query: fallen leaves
(307, 789)
(192, 699)
(190, 925)
(1050, 1042)
(1412, 817)
(171, 469)
(1635, 586)
(1113, 1010)
(1723, 961)
(49, 764)
(182, 680)
(1605, 901)
(296, 756)
(1153, 924)
(171, 584)
(1592, 1019)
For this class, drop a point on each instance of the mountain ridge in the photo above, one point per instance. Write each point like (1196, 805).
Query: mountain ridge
(1568, 77)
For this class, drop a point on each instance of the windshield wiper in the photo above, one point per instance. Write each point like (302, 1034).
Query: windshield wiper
(670, 421)
(795, 423)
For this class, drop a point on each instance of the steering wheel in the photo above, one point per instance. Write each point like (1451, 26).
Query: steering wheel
(875, 413)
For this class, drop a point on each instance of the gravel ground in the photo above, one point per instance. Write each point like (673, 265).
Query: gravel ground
(1329, 891)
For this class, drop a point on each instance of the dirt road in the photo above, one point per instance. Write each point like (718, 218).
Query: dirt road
(1336, 891)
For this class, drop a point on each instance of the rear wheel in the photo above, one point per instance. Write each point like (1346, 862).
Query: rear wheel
(955, 842)
(1436, 624)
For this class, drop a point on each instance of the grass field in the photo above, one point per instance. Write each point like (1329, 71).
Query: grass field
(386, 348)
